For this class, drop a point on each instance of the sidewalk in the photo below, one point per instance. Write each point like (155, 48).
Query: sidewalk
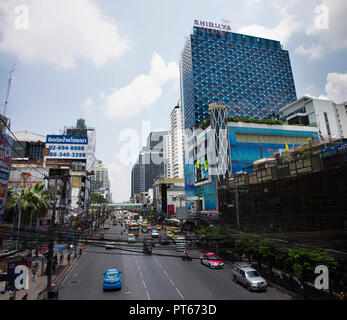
(40, 283)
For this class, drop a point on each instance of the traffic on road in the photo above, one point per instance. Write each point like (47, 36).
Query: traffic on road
(152, 268)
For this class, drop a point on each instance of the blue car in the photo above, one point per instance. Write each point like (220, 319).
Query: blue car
(112, 279)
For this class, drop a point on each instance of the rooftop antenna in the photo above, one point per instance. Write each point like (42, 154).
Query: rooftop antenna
(8, 89)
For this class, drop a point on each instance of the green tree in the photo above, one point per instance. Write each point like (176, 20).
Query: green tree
(97, 198)
(303, 261)
(31, 202)
(10, 205)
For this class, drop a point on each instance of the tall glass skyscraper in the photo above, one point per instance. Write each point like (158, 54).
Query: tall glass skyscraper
(251, 76)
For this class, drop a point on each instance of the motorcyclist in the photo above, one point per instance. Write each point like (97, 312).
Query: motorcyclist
(185, 254)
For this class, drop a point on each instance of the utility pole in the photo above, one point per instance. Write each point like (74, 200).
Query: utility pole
(51, 241)
(237, 209)
(19, 221)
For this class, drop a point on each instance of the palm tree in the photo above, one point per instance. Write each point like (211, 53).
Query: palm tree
(10, 205)
(30, 202)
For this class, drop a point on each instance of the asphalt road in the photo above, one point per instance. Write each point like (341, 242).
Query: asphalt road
(160, 276)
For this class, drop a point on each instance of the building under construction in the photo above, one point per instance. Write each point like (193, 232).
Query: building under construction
(299, 195)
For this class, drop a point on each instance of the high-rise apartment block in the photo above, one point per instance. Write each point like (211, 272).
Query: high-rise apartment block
(167, 154)
(150, 164)
(251, 76)
(177, 142)
(100, 182)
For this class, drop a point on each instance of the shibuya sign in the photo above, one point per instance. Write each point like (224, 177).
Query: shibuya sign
(206, 24)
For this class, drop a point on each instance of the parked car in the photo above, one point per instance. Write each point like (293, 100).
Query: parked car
(248, 277)
(112, 279)
(211, 260)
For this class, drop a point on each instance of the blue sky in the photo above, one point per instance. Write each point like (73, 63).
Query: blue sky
(115, 63)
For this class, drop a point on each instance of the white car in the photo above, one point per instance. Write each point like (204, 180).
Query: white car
(131, 238)
(155, 233)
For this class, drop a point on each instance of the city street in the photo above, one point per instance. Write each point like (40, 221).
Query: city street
(160, 276)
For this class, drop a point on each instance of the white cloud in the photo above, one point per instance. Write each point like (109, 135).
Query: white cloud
(289, 24)
(59, 32)
(336, 87)
(314, 52)
(327, 28)
(143, 91)
(252, 2)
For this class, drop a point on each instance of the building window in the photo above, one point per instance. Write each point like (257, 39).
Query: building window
(327, 123)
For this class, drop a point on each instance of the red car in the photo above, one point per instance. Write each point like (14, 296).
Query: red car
(211, 260)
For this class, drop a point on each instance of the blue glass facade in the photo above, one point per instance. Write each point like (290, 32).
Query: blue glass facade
(251, 76)
(244, 152)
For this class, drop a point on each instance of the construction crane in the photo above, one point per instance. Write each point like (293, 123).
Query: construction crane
(8, 90)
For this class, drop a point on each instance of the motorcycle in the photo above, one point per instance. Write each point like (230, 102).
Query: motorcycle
(147, 250)
(187, 258)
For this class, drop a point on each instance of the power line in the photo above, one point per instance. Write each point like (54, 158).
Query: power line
(14, 136)
(27, 162)
(21, 170)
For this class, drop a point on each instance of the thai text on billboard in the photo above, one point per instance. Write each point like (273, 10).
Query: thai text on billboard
(67, 147)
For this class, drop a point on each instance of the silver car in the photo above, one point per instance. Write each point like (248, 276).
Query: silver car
(131, 238)
(249, 277)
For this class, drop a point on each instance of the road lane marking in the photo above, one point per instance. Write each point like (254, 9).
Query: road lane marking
(143, 280)
(167, 275)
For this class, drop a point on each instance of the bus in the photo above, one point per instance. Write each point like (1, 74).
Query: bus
(133, 228)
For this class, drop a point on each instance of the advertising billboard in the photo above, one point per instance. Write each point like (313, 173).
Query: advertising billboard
(171, 209)
(5, 157)
(201, 169)
(67, 147)
(25, 179)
